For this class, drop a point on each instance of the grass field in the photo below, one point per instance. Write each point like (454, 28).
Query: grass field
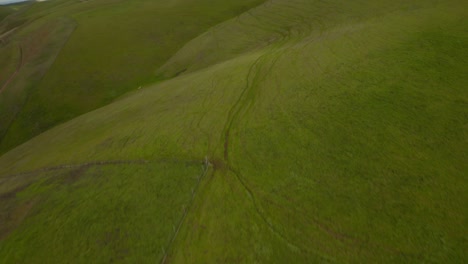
(295, 132)
(99, 64)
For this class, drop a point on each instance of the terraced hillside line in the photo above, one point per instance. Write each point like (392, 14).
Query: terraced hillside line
(75, 166)
(18, 68)
(102, 163)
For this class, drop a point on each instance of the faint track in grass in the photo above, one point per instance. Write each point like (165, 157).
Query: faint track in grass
(244, 103)
(260, 69)
(97, 163)
(255, 76)
(269, 225)
(234, 111)
(347, 239)
(247, 97)
(206, 168)
(22, 105)
(14, 74)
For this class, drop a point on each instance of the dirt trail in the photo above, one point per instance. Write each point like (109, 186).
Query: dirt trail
(240, 103)
(6, 34)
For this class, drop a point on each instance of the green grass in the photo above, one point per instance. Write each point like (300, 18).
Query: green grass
(9, 58)
(30, 52)
(335, 132)
(119, 213)
(6, 10)
(100, 63)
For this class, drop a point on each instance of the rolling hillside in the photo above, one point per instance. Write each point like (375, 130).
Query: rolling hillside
(273, 132)
(112, 47)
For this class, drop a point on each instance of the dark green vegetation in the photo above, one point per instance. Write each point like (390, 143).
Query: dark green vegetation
(296, 132)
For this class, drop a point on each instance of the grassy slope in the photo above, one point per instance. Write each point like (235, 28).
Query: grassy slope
(5, 11)
(30, 50)
(99, 64)
(336, 133)
(32, 42)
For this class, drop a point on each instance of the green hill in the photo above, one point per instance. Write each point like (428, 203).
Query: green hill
(112, 47)
(295, 132)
